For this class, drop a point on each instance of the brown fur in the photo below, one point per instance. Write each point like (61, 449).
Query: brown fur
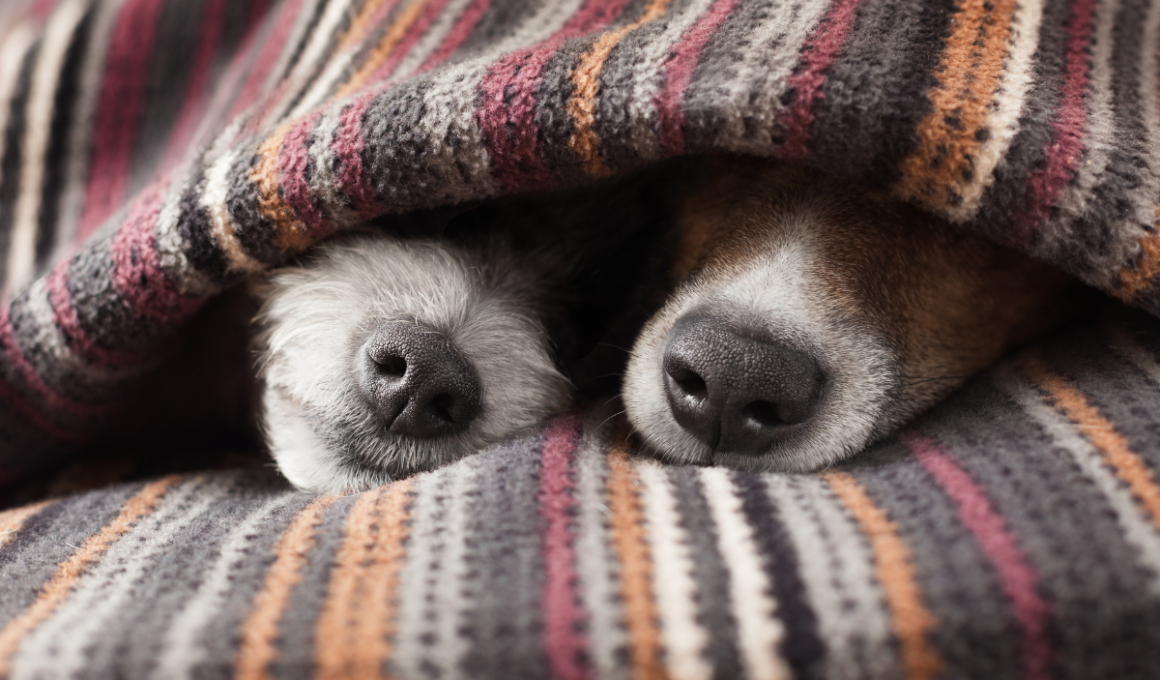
(947, 302)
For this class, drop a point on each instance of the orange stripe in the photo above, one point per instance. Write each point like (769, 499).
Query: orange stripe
(969, 75)
(390, 40)
(895, 568)
(264, 175)
(1147, 267)
(12, 521)
(586, 80)
(1100, 431)
(357, 623)
(68, 572)
(636, 569)
(260, 632)
(359, 25)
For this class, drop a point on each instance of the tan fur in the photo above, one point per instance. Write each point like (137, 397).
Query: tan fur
(945, 303)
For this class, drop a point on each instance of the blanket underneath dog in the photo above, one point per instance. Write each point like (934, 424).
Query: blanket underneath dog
(155, 152)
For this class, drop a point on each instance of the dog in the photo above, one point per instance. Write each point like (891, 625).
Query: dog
(812, 317)
(385, 353)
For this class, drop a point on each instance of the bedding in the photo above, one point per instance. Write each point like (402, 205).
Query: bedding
(155, 153)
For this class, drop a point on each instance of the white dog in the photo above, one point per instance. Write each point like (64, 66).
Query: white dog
(383, 355)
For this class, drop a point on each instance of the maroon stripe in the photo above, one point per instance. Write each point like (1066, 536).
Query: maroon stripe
(13, 399)
(564, 617)
(293, 164)
(1018, 577)
(679, 73)
(43, 8)
(119, 111)
(69, 322)
(459, 33)
(190, 116)
(275, 42)
(347, 148)
(818, 55)
(137, 272)
(506, 115)
(52, 398)
(1045, 185)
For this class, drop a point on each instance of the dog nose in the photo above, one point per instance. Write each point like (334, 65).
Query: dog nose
(417, 382)
(735, 393)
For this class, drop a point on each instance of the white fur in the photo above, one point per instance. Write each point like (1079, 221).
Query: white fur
(783, 293)
(321, 429)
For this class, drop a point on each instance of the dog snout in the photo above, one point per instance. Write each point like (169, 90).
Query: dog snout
(737, 394)
(417, 382)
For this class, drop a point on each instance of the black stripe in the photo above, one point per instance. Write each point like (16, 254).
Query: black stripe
(877, 91)
(13, 158)
(710, 573)
(56, 155)
(801, 647)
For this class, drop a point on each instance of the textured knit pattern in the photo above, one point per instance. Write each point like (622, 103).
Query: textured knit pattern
(153, 152)
(1012, 533)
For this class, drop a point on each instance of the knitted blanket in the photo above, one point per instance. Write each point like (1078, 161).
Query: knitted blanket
(153, 153)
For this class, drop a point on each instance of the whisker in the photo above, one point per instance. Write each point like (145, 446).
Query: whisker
(621, 412)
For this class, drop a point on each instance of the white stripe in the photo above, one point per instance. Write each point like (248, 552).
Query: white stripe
(184, 649)
(57, 38)
(171, 246)
(81, 124)
(432, 39)
(432, 601)
(767, 62)
(12, 55)
(58, 647)
(1138, 531)
(685, 640)
(837, 569)
(648, 77)
(322, 180)
(214, 199)
(759, 631)
(321, 39)
(595, 561)
(1009, 97)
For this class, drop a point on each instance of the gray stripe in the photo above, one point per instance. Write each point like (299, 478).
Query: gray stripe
(181, 650)
(507, 569)
(837, 568)
(1115, 387)
(51, 537)
(1137, 528)
(297, 642)
(710, 573)
(599, 583)
(951, 568)
(430, 609)
(69, 642)
(132, 646)
(1101, 623)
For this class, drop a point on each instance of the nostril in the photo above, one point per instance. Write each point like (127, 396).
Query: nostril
(392, 365)
(690, 383)
(763, 414)
(441, 407)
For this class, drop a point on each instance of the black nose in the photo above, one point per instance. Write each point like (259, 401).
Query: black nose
(417, 382)
(735, 393)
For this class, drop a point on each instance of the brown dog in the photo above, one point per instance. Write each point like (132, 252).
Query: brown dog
(812, 317)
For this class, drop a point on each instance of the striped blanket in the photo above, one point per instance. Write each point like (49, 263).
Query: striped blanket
(1012, 533)
(155, 152)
